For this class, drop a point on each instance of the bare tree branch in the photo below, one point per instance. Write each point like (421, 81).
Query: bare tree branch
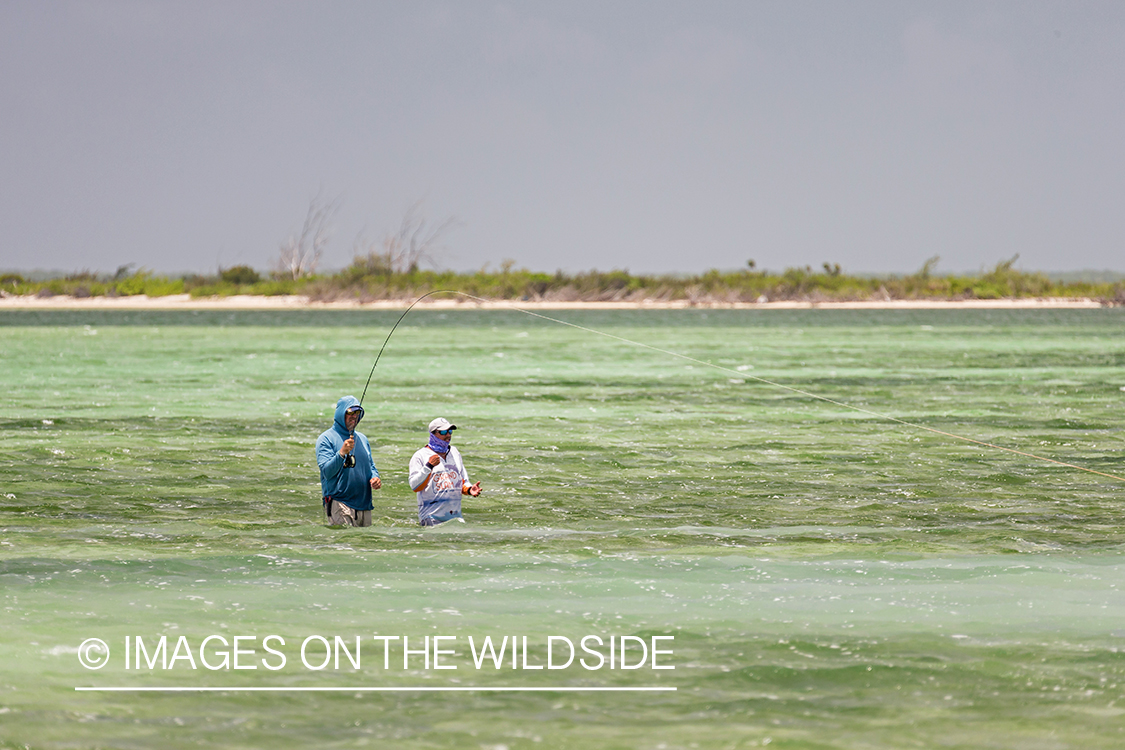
(299, 255)
(417, 241)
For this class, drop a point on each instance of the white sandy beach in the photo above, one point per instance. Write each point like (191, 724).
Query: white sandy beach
(298, 302)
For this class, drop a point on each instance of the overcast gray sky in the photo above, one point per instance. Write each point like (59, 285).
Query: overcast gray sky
(652, 136)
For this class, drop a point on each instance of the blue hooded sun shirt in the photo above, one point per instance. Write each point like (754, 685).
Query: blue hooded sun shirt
(352, 487)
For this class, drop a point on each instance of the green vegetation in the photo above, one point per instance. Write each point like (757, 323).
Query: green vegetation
(87, 284)
(372, 277)
(240, 275)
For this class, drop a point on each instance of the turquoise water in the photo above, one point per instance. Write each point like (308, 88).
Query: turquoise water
(831, 580)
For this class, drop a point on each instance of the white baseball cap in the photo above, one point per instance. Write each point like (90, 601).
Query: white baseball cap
(441, 423)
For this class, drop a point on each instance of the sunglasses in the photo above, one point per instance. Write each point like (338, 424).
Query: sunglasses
(445, 432)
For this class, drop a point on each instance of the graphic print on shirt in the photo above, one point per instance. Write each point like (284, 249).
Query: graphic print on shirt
(443, 482)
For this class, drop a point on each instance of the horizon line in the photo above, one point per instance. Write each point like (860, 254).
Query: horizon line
(52, 273)
(405, 689)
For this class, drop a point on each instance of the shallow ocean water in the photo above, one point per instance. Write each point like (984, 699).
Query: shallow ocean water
(831, 580)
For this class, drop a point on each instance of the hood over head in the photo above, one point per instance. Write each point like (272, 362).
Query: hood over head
(342, 407)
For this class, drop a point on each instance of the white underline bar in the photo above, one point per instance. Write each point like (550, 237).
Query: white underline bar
(375, 689)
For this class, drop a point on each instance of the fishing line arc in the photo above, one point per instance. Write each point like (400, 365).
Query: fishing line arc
(744, 375)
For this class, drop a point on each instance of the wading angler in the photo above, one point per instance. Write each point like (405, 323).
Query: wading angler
(347, 470)
(438, 475)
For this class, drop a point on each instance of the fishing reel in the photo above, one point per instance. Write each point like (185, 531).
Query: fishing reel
(349, 460)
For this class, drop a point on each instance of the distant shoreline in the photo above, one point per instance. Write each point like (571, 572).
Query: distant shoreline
(299, 302)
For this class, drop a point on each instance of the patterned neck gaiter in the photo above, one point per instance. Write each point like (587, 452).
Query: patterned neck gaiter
(437, 445)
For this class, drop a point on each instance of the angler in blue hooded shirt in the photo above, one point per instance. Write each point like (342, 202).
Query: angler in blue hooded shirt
(347, 470)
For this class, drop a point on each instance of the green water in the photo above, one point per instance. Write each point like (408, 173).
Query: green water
(831, 580)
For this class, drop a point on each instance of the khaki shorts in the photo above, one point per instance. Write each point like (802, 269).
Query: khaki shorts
(342, 515)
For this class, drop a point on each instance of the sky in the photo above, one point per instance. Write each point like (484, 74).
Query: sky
(652, 136)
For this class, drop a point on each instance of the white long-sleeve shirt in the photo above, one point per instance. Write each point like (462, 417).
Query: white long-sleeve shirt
(440, 499)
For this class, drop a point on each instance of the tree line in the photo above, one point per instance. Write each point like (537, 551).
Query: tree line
(393, 272)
